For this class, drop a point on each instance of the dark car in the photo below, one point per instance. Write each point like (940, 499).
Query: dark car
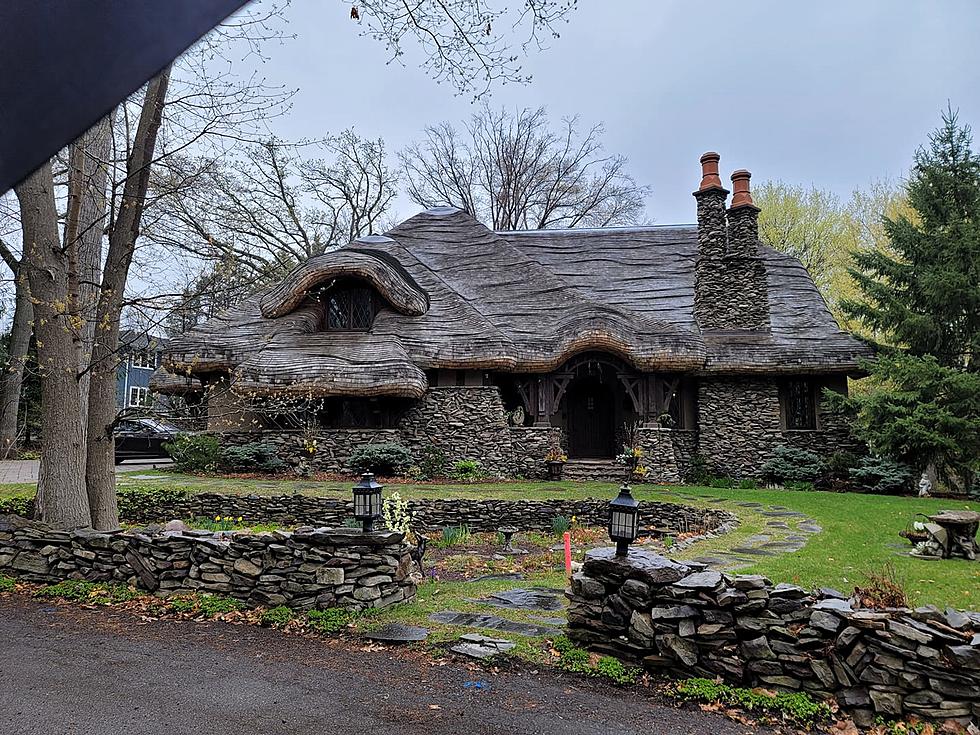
(142, 438)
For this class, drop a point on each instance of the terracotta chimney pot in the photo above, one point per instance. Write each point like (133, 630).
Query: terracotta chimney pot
(740, 184)
(709, 172)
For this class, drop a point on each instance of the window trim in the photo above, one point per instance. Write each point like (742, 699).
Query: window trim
(143, 397)
(147, 362)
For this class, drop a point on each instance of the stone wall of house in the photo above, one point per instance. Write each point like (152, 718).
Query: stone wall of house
(529, 446)
(433, 515)
(678, 619)
(306, 569)
(465, 422)
(739, 424)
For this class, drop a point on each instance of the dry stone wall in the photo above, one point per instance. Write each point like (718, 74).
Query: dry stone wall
(433, 515)
(310, 568)
(680, 619)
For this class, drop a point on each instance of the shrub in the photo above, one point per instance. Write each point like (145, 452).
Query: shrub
(799, 485)
(387, 459)
(253, 457)
(466, 470)
(20, 506)
(194, 452)
(721, 482)
(791, 463)
(748, 484)
(560, 524)
(797, 706)
(6, 583)
(276, 617)
(882, 475)
(837, 470)
(432, 463)
(699, 472)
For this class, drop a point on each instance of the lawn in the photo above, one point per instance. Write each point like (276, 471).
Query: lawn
(860, 532)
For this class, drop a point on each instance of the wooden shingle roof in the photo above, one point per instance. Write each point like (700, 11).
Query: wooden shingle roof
(460, 296)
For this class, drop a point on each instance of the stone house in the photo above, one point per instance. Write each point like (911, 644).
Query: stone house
(496, 345)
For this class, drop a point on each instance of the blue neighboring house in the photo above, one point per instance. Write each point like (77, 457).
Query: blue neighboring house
(139, 356)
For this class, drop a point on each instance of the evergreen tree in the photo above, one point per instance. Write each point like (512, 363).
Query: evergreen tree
(924, 297)
(922, 300)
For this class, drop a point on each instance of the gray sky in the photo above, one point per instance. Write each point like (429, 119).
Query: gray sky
(834, 93)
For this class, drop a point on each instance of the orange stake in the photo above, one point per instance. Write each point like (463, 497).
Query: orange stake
(568, 553)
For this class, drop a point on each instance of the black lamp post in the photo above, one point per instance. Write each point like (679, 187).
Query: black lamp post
(624, 520)
(367, 501)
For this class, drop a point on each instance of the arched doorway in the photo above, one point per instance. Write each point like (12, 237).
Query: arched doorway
(591, 414)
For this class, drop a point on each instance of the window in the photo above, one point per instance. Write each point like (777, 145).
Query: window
(144, 360)
(799, 404)
(139, 396)
(349, 308)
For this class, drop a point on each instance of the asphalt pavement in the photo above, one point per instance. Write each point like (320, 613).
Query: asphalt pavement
(66, 670)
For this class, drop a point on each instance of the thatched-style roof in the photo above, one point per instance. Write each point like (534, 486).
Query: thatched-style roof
(459, 296)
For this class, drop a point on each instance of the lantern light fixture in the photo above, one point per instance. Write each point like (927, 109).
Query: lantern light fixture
(367, 501)
(624, 520)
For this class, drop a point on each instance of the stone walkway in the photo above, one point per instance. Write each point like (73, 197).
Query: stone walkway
(25, 470)
(786, 531)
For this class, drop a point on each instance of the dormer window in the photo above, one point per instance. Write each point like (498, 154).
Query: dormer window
(349, 307)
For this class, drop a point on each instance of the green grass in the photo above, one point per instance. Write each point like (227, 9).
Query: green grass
(859, 531)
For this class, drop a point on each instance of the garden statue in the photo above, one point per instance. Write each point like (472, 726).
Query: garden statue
(925, 485)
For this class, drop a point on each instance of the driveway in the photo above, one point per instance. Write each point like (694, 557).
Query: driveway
(67, 670)
(25, 470)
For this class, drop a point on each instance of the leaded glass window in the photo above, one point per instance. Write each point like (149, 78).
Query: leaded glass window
(350, 308)
(800, 407)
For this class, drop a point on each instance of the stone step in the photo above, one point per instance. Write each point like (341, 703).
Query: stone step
(600, 470)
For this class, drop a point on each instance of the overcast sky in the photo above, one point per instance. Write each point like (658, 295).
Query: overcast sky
(836, 93)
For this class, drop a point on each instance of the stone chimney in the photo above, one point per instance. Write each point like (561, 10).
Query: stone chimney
(731, 288)
(711, 197)
(743, 218)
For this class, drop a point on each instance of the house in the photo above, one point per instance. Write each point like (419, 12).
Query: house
(140, 355)
(496, 345)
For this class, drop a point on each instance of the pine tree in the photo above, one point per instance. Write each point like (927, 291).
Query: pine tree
(922, 300)
(924, 297)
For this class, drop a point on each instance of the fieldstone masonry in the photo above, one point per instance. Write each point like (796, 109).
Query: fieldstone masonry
(738, 426)
(680, 619)
(433, 515)
(310, 568)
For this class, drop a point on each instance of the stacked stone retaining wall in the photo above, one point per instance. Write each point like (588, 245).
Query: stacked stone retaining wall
(306, 569)
(677, 618)
(432, 515)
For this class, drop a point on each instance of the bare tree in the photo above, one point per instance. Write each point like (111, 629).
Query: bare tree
(277, 204)
(461, 40)
(513, 172)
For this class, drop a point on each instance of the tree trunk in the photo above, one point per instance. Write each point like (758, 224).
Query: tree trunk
(100, 470)
(84, 227)
(61, 498)
(13, 372)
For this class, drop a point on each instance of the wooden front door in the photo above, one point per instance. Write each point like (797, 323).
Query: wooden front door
(591, 419)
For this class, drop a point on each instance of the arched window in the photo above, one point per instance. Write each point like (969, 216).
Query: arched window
(349, 307)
